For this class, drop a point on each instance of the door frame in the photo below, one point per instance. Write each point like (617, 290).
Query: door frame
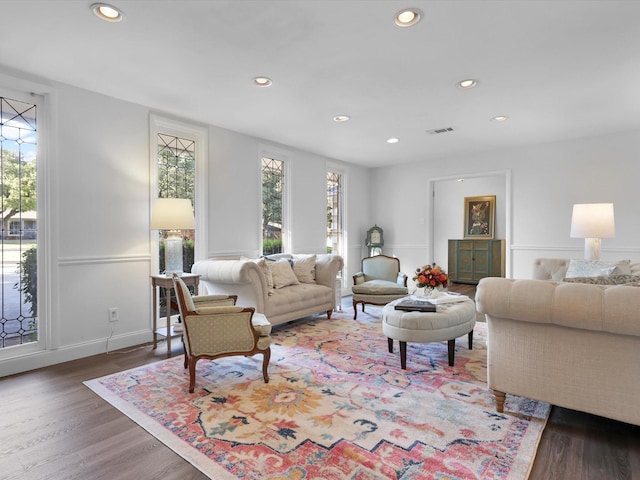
(431, 205)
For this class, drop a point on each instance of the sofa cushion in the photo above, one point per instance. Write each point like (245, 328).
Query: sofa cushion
(300, 297)
(587, 268)
(379, 287)
(304, 268)
(282, 273)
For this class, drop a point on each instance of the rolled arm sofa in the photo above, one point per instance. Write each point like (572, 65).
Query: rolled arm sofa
(310, 292)
(575, 345)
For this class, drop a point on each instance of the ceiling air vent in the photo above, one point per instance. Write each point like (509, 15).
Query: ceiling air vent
(437, 131)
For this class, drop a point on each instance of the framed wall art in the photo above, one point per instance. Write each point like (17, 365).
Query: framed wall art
(480, 217)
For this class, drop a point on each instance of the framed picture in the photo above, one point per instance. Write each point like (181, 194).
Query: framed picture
(480, 217)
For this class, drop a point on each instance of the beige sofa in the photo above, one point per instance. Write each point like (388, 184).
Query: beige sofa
(249, 279)
(574, 345)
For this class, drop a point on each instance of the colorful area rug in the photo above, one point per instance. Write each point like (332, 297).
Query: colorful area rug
(337, 406)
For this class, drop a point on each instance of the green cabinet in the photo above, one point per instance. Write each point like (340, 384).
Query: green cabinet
(471, 260)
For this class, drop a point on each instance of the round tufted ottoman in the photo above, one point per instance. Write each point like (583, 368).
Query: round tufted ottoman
(450, 321)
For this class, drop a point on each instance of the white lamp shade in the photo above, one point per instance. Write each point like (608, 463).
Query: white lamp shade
(593, 220)
(172, 214)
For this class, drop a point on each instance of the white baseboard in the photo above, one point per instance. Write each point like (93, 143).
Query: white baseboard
(45, 358)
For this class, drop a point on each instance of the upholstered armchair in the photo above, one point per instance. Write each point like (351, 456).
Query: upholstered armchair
(202, 301)
(379, 282)
(212, 332)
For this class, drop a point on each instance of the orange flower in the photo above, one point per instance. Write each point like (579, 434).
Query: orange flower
(430, 275)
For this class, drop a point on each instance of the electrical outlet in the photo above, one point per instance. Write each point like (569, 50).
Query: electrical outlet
(114, 316)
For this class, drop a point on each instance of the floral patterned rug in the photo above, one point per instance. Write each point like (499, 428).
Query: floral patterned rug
(337, 406)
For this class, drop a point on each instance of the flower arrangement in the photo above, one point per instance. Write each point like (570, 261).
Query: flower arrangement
(431, 276)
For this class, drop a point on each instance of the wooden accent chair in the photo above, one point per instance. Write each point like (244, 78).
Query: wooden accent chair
(202, 301)
(220, 331)
(379, 282)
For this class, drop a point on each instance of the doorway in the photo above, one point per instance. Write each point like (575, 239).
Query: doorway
(446, 212)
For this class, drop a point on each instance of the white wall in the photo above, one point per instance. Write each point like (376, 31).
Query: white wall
(546, 180)
(98, 206)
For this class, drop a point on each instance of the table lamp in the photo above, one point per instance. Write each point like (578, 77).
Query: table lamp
(592, 221)
(172, 214)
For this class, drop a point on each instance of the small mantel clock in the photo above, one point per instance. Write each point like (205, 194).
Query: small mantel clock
(375, 240)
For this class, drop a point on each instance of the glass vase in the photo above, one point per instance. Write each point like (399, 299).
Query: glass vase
(430, 292)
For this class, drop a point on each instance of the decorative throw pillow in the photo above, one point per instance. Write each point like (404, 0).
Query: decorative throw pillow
(304, 267)
(623, 267)
(587, 268)
(610, 280)
(262, 264)
(283, 275)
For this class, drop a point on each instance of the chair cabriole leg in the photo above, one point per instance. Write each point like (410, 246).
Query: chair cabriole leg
(265, 364)
(192, 374)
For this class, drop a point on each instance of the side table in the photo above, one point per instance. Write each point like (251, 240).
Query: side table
(162, 281)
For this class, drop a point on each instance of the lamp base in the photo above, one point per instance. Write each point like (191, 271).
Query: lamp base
(592, 249)
(173, 254)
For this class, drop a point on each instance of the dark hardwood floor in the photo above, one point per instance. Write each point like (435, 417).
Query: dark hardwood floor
(53, 427)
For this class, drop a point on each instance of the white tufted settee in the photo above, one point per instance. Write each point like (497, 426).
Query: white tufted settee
(308, 288)
(575, 345)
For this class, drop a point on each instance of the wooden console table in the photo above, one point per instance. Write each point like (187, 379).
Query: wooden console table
(162, 281)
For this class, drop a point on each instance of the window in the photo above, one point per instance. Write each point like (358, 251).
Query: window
(272, 205)
(14, 228)
(19, 290)
(176, 179)
(334, 213)
(178, 157)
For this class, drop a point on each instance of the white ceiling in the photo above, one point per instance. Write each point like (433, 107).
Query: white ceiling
(558, 68)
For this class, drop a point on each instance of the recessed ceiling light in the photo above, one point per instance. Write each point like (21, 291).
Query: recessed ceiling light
(500, 118)
(467, 83)
(408, 17)
(393, 140)
(108, 13)
(341, 118)
(262, 81)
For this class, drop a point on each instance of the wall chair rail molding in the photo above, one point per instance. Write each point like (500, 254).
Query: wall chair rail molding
(95, 260)
(576, 250)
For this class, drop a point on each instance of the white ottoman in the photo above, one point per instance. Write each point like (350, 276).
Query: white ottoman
(448, 322)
